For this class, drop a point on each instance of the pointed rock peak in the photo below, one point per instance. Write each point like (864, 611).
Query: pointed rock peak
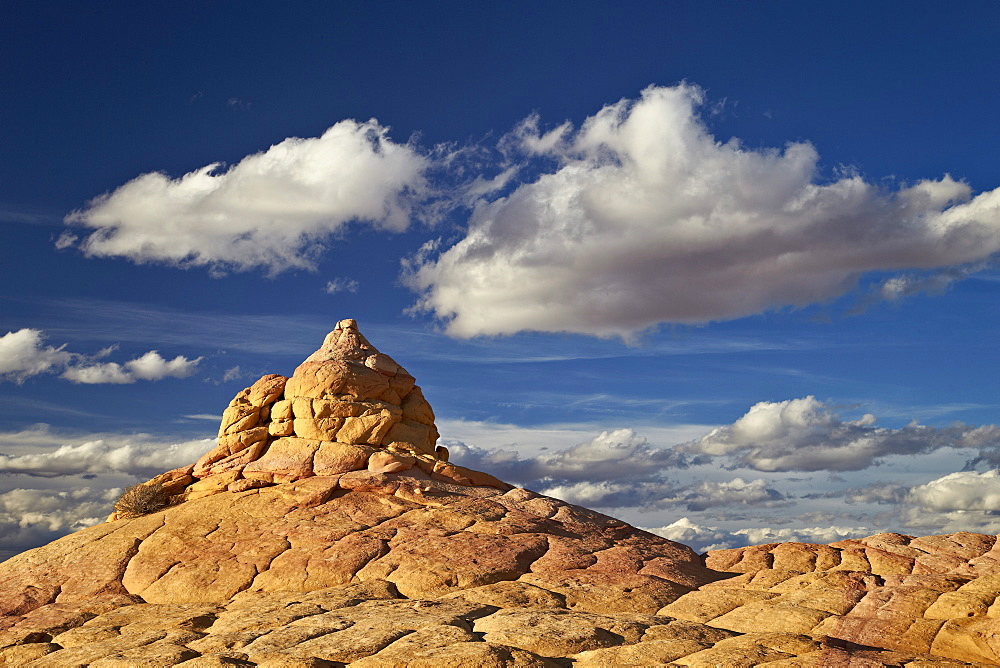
(347, 409)
(345, 342)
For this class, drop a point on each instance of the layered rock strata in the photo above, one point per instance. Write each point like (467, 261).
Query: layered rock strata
(327, 529)
(347, 407)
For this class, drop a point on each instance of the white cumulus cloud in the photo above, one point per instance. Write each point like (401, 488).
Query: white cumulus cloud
(23, 354)
(273, 209)
(807, 435)
(960, 491)
(53, 482)
(653, 493)
(110, 373)
(878, 493)
(960, 501)
(762, 535)
(695, 535)
(601, 494)
(736, 492)
(609, 455)
(150, 366)
(648, 218)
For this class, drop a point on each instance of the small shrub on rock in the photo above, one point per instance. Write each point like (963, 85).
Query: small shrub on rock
(141, 499)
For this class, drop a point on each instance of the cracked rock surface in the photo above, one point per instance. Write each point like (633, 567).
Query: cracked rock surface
(339, 569)
(326, 528)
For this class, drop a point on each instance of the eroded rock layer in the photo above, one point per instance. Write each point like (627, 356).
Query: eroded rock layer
(308, 574)
(347, 407)
(423, 566)
(935, 596)
(326, 528)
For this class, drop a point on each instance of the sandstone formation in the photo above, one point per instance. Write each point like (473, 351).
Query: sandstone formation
(346, 408)
(892, 598)
(326, 528)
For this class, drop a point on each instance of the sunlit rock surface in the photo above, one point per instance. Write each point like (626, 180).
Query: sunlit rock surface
(328, 529)
(346, 408)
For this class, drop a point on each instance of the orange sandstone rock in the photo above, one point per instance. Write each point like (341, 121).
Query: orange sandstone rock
(328, 528)
(344, 404)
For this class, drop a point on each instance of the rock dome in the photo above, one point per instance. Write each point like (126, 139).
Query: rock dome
(327, 528)
(347, 407)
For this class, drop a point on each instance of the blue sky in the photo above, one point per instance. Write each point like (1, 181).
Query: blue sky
(719, 261)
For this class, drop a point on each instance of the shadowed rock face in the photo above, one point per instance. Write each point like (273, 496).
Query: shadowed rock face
(326, 529)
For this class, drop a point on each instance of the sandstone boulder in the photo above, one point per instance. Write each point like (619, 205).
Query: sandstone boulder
(346, 403)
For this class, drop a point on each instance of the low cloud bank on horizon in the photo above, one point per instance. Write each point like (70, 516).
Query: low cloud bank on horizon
(33, 517)
(93, 454)
(639, 217)
(793, 436)
(807, 435)
(738, 472)
(722, 488)
(56, 482)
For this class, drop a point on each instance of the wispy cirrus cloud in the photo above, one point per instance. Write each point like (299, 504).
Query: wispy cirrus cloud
(648, 218)
(341, 284)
